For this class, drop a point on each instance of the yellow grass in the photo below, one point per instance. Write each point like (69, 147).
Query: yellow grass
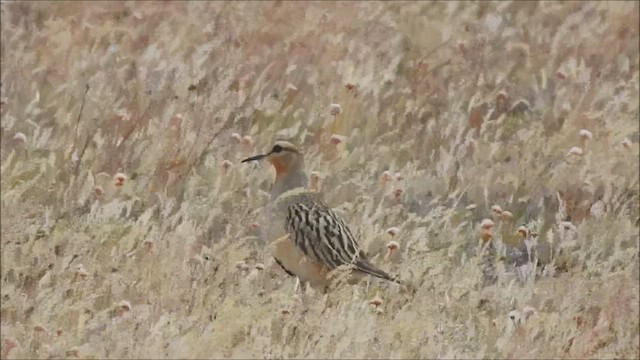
(155, 91)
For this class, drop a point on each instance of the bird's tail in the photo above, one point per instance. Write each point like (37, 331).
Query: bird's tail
(365, 266)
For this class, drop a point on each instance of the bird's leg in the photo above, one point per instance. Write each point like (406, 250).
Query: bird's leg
(300, 293)
(296, 285)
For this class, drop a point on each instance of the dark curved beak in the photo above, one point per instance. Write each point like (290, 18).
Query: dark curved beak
(254, 158)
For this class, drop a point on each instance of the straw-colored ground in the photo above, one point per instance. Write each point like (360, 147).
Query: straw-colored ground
(472, 104)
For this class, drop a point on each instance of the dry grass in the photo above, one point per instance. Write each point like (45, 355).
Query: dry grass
(427, 90)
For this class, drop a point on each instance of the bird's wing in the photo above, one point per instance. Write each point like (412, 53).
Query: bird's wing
(323, 236)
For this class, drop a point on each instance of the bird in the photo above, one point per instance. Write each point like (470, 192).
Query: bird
(316, 240)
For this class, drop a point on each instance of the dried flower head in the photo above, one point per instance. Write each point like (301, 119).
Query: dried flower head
(20, 138)
(386, 176)
(575, 151)
(147, 244)
(98, 190)
(487, 224)
(528, 311)
(496, 209)
(626, 143)
(120, 178)
(502, 96)
(337, 139)
(247, 140)
(335, 109)
(39, 328)
(522, 231)
(507, 215)
(397, 193)
(585, 134)
(314, 180)
(393, 231)
(291, 88)
(376, 301)
(226, 165)
(237, 137)
(567, 225)
(393, 245)
(123, 307)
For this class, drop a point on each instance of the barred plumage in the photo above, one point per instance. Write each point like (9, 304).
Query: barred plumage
(323, 236)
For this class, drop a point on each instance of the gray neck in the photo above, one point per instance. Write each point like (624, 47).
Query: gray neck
(288, 182)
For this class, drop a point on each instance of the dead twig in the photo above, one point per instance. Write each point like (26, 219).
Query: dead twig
(76, 165)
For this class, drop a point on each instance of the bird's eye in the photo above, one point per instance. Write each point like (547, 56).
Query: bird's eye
(276, 149)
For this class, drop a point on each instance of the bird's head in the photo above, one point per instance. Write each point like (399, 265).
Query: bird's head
(284, 156)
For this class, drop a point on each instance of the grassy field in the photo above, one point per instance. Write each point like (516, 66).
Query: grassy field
(129, 226)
